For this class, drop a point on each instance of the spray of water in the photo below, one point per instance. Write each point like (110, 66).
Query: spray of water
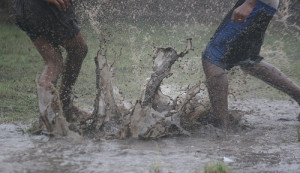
(137, 26)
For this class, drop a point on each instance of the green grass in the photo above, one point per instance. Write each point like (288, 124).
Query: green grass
(216, 168)
(155, 168)
(20, 63)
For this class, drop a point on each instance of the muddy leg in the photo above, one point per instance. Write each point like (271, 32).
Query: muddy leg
(76, 50)
(53, 62)
(53, 67)
(274, 77)
(217, 85)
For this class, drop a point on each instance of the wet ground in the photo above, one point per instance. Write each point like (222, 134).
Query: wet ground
(268, 143)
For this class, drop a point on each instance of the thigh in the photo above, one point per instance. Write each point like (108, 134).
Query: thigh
(76, 45)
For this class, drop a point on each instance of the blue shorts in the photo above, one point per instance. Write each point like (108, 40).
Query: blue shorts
(239, 44)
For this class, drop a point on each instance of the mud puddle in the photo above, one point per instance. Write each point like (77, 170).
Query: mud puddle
(268, 143)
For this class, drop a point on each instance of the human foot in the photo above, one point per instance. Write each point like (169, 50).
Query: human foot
(215, 121)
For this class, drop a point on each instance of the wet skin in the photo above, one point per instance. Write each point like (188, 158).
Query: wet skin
(217, 82)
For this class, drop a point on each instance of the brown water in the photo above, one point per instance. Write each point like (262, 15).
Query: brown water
(268, 143)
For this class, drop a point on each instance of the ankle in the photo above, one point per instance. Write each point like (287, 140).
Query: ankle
(219, 121)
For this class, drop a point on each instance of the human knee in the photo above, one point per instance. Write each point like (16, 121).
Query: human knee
(212, 71)
(80, 50)
(246, 68)
(83, 50)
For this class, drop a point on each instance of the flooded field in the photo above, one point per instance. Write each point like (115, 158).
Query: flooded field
(268, 142)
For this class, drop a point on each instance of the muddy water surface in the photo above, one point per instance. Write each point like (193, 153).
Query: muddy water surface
(268, 143)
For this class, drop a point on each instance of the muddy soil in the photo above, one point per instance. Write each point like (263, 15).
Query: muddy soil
(267, 142)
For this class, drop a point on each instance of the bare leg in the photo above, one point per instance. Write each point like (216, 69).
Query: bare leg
(217, 85)
(274, 77)
(53, 67)
(53, 62)
(76, 50)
